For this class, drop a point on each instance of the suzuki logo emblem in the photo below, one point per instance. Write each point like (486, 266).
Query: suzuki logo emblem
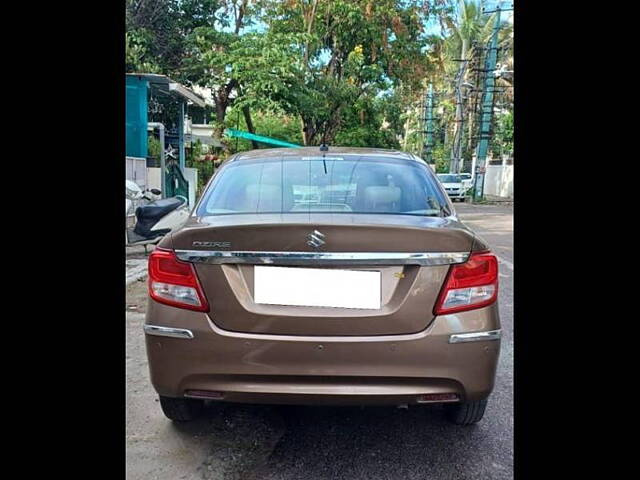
(315, 239)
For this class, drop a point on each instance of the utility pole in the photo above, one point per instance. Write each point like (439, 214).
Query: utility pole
(427, 149)
(456, 151)
(486, 115)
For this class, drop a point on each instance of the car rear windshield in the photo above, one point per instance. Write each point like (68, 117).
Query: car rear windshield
(339, 184)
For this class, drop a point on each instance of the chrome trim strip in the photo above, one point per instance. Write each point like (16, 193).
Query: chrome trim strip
(168, 332)
(475, 336)
(283, 337)
(327, 258)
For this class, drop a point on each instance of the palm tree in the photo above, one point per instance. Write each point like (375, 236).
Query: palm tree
(469, 29)
(505, 80)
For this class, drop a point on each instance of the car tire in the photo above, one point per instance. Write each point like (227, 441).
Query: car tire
(463, 199)
(181, 409)
(466, 413)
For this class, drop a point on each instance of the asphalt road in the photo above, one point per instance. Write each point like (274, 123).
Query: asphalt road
(285, 442)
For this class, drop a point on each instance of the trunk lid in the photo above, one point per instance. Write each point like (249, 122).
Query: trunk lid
(408, 291)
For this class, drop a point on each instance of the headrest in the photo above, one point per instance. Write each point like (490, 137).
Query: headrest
(263, 197)
(376, 195)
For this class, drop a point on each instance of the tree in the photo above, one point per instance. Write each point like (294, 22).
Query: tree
(352, 49)
(137, 57)
(270, 124)
(366, 124)
(503, 136)
(212, 55)
(465, 31)
(253, 70)
(157, 32)
(345, 71)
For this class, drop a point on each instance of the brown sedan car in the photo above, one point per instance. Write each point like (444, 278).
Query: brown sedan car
(323, 277)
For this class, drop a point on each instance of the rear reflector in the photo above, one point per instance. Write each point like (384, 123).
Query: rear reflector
(469, 285)
(438, 397)
(174, 282)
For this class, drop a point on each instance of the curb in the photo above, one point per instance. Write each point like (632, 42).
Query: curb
(138, 272)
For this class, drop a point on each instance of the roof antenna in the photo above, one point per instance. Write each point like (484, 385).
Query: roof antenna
(324, 149)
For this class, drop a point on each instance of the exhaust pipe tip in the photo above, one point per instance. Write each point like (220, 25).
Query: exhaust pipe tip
(204, 394)
(438, 398)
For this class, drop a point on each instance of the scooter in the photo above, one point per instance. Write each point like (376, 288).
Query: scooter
(154, 219)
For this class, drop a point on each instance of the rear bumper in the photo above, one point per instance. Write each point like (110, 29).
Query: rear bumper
(290, 369)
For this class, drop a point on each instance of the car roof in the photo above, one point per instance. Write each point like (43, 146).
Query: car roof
(315, 151)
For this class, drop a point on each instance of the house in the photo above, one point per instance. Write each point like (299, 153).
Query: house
(157, 104)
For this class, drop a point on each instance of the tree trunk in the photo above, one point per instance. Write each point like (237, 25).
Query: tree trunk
(218, 128)
(308, 131)
(406, 130)
(239, 14)
(221, 100)
(247, 119)
(309, 18)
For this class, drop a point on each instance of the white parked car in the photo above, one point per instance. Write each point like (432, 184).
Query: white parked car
(453, 185)
(467, 180)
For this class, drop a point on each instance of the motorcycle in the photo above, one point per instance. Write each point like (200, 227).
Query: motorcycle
(155, 218)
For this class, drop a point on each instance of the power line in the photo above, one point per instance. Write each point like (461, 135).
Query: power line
(488, 101)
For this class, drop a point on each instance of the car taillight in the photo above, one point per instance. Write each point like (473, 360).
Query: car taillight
(469, 285)
(174, 282)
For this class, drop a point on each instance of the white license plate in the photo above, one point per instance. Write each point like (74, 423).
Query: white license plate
(317, 287)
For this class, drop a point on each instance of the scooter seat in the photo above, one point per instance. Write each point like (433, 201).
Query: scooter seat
(156, 210)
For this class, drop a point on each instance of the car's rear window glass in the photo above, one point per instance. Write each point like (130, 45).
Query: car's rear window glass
(348, 184)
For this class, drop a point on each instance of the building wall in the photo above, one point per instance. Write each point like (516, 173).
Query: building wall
(136, 117)
(136, 171)
(498, 181)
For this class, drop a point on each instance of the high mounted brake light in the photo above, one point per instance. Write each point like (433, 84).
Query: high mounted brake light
(469, 285)
(174, 282)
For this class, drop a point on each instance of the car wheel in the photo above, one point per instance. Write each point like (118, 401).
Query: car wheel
(181, 409)
(466, 413)
(463, 199)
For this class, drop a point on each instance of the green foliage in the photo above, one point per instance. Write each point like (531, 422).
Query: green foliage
(194, 153)
(364, 136)
(503, 135)
(157, 32)
(153, 149)
(350, 50)
(275, 125)
(350, 72)
(137, 57)
(441, 156)
(366, 124)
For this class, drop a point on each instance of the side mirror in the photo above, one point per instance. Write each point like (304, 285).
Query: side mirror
(155, 191)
